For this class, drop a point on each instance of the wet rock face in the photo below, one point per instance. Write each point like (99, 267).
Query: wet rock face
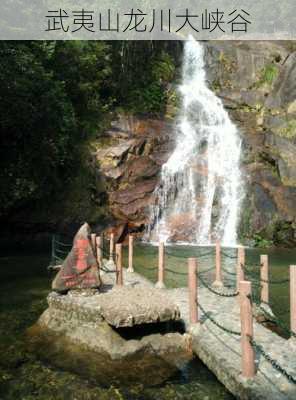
(257, 84)
(73, 333)
(130, 163)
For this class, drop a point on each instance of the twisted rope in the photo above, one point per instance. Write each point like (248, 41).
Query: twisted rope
(228, 255)
(207, 270)
(228, 272)
(275, 282)
(175, 272)
(108, 271)
(63, 244)
(214, 291)
(269, 281)
(272, 361)
(225, 329)
(171, 254)
(276, 321)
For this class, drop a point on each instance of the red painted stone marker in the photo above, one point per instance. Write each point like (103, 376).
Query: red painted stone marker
(80, 268)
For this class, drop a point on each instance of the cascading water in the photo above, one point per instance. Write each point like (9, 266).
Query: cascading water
(200, 190)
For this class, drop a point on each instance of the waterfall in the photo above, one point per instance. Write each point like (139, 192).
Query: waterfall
(200, 190)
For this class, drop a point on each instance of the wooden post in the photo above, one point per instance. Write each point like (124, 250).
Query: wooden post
(130, 253)
(103, 243)
(111, 245)
(160, 282)
(264, 279)
(240, 273)
(248, 353)
(218, 277)
(293, 298)
(99, 250)
(93, 242)
(192, 287)
(119, 272)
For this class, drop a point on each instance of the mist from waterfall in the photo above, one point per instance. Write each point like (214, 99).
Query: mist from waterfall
(200, 190)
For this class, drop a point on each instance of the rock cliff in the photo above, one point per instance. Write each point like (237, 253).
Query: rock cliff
(130, 161)
(256, 81)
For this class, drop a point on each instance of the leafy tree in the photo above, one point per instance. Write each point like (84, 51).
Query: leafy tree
(52, 95)
(55, 95)
(35, 124)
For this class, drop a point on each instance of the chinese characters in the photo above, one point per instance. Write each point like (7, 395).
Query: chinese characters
(140, 21)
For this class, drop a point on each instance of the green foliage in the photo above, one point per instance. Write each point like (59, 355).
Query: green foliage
(56, 95)
(85, 69)
(53, 95)
(154, 96)
(261, 242)
(163, 69)
(267, 75)
(148, 99)
(35, 121)
(289, 131)
(143, 71)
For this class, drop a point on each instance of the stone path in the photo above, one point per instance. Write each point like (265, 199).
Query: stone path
(221, 350)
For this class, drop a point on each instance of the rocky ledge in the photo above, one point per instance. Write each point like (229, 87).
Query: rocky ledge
(113, 336)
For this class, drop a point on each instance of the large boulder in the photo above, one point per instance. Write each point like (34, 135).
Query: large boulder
(80, 268)
(80, 333)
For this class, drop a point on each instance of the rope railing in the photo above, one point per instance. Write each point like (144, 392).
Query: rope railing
(174, 254)
(204, 271)
(205, 254)
(255, 274)
(69, 245)
(107, 254)
(228, 272)
(269, 281)
(250, 267)
(272, 361)
(234, 294)
(186, 273)
(234, 257)
(275, 282)
(219, 325)
(58, 251)
(62, 252)
(255, 282)
(108, 271)
(271, 317)
(176, 272)
(150, 268)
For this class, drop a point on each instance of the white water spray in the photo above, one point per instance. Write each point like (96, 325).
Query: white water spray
(200, 191)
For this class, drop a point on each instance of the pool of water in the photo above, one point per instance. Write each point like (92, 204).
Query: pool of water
(24, 285)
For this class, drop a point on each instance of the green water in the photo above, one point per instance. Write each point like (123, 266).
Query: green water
(24, 285)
